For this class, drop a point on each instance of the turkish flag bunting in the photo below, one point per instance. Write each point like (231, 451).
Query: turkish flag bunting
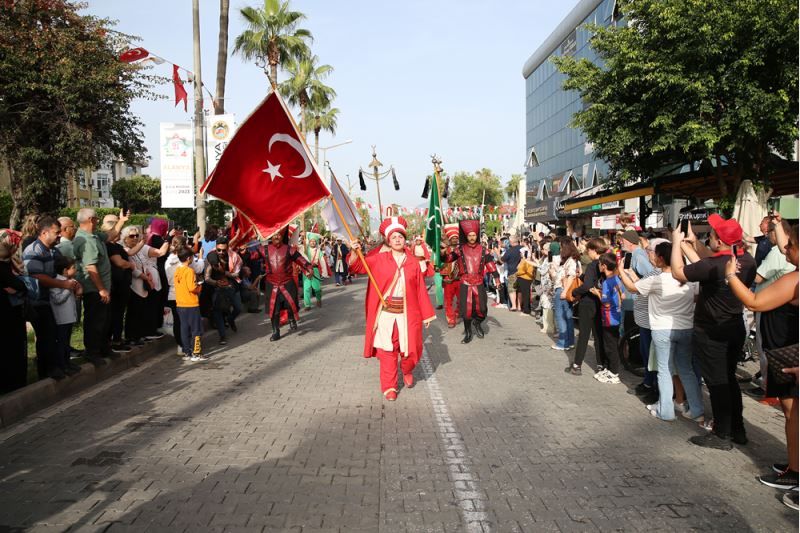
(267, 171)
(180, 92)
(133, 55)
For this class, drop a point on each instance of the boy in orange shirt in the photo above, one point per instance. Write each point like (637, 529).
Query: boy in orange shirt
(187, 303)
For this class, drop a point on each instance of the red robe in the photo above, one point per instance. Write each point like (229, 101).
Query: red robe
(417, 301)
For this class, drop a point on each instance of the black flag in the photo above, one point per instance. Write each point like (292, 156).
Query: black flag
(361, 181)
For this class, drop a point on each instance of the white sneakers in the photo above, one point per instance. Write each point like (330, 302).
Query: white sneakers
(606, 376)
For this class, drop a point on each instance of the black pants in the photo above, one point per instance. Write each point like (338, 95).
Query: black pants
(154, 317)
(44, 325)
(63, 335)
(589, 324)
(524, 286)
(718, 353)
(478, 304)
(280, 300)
(96, 325)
(14, 361)
(120, 296)
(176, 321)
(191, 329)
(135, 317)
(611, 347)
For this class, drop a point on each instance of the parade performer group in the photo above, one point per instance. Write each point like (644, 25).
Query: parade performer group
(280, 281)
(473, 262)
(394, 326)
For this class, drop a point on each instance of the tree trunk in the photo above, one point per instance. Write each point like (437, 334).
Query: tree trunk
(273, 57)
(273, 75)
(723, 185)
(17, 210)
(316, 147)
(222, 57)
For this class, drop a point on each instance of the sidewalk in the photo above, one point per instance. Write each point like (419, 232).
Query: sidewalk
(295, 436)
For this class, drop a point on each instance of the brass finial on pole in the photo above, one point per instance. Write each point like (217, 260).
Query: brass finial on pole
(377, 175)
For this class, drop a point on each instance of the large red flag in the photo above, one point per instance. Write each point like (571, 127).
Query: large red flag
(242, 231)
(267, 171)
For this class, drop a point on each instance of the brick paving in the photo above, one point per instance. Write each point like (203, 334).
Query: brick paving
(295, 436)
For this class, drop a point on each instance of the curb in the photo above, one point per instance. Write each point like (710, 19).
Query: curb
(16, 405)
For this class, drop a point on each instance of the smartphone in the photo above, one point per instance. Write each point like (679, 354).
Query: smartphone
(627, 261)
(734, 250)
(685, 226)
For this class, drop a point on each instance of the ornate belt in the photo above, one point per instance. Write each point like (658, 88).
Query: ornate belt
(394, 305)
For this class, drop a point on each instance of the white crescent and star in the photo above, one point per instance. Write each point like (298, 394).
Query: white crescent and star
(274, 170)
(432, 218)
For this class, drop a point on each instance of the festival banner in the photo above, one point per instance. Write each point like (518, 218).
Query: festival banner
(177, 178)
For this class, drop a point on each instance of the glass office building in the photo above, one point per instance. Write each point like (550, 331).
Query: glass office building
(560, 161)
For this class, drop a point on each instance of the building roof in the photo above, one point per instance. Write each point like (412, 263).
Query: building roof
(554, 40)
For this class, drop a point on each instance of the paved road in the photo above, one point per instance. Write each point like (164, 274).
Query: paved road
(295, 436)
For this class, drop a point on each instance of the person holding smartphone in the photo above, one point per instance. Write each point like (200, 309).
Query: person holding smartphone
(719, 330)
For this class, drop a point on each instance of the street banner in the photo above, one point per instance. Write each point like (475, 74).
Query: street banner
(220, 130)
(267, 171)
(349, 212)
(177, 181)
(434, 222)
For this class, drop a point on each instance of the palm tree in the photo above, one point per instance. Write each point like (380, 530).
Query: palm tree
(304, 87)
(222, 56)
(512, 187)
(272, 37)
(318, 120)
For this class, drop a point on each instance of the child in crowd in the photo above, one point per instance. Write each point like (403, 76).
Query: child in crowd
(187, 304)
(62, 302)
(611, 297)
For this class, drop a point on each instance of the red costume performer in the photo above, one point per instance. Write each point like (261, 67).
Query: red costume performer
(451, 277)
(473, 262)
(281, 282)
(396, 330)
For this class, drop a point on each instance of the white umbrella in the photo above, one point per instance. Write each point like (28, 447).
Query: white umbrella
(751, 208)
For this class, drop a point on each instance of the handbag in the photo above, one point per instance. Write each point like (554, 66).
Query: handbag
(571, 298)
(779, 358)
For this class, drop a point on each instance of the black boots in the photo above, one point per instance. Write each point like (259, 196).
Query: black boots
(292, 324)
(276, 330)
(478, 329)
(467, 331)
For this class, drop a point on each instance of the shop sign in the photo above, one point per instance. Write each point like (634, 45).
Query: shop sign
(611, 222)
(543, 211)
(610, 205)
(697, 217)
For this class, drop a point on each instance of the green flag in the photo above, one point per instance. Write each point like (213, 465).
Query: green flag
(434, 223)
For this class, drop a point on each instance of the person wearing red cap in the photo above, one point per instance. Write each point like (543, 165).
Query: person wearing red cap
(423, 254)
(719, 331)
(451, 277)
(474, 261)
(281, 286)
(394, 326)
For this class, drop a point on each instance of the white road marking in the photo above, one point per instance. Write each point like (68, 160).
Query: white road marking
(471, 502)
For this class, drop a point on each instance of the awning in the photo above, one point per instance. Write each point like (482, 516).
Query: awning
(701, 185)
(605, 197)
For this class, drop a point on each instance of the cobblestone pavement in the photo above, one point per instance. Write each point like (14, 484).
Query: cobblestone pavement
(295, 436)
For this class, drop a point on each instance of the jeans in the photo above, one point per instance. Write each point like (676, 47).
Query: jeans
(564, 322)
(666, 348)
(645, 338)
(680, 341)
(236, 308)
(191, 329)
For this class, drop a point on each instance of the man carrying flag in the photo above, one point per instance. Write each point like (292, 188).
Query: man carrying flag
(268, 174)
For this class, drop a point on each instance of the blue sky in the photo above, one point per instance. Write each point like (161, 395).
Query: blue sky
(414, 77)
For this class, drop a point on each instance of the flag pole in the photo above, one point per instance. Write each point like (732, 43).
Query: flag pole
(349, 208)
(358, 251)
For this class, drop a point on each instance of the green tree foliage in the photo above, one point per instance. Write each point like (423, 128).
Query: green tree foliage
(512, 187)
(6, 205)
(272, 37)
(468, 189)
(319, 119)
(140, 194)
(304, 86)
(691, 80)
(64, 99)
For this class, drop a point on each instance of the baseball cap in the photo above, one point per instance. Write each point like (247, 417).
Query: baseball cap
(729, 231)
(631, 236)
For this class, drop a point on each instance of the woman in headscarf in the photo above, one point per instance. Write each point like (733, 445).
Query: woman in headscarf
(14, 361)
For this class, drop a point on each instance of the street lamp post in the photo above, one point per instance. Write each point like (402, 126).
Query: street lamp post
(325, 158)
(378, 176)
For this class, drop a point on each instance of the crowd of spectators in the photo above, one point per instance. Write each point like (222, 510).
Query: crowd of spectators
(678, 304)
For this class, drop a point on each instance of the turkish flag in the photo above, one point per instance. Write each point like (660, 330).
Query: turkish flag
(241, 232)
(133, 55)
(267, 171)
(180, 92)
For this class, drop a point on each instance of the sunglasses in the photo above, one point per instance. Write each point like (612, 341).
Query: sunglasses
(222, 250)
(133, 236)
